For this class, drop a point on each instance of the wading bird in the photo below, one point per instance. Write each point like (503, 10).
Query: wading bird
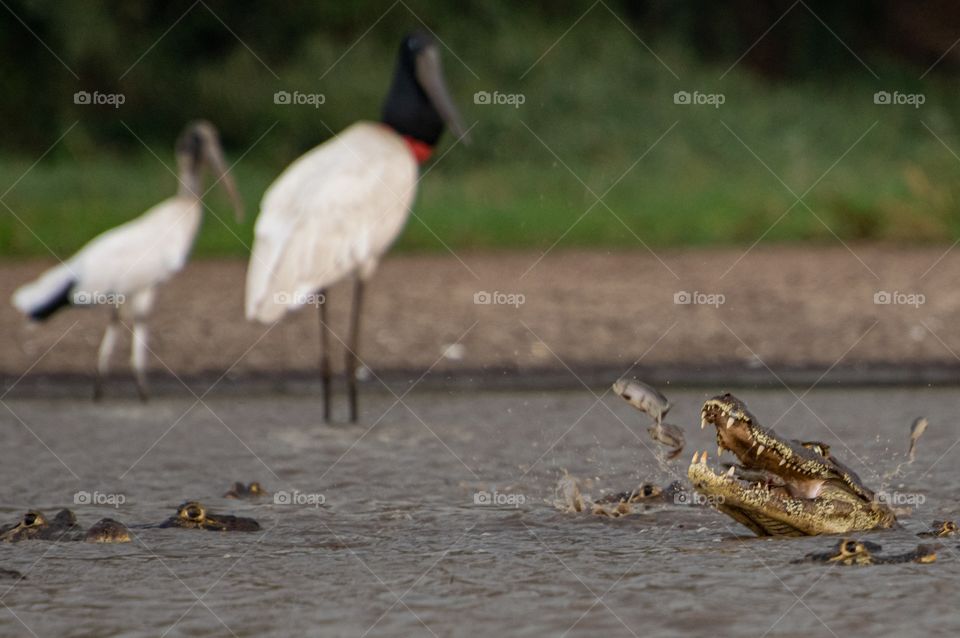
(334, 211)
(123, 266)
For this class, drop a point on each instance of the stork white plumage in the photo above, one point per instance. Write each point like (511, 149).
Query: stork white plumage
(123, 266)
(335, 211)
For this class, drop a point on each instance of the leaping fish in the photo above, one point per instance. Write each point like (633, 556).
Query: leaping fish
(643, 397)
(916, 431)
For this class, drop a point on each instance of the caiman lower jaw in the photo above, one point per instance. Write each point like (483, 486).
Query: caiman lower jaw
(773, 511)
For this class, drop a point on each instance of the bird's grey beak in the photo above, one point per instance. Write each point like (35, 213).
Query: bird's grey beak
(214, 156)
(430, 78)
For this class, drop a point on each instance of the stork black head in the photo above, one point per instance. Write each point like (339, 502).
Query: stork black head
(419, 103)
(199, 147)
(190, 147)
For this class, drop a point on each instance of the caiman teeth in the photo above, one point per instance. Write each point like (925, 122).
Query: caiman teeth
(783, 461)
(730, 472)
(719, 450)
(730, 421)
(760, 449)
(703, 421)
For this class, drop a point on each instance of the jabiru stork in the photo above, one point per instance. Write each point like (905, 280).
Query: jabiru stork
(335, 211)
(123, 266)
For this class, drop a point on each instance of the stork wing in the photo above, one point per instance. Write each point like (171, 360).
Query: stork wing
(334, 211)
(141, 253)
(124, 260)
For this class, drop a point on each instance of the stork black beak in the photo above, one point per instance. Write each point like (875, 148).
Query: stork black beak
(202, 141)
(213, 153)
(430, 78)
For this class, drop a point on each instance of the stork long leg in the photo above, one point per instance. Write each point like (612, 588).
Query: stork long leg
(104, 353)
(352, 347)
(138, 357)
(325, 370)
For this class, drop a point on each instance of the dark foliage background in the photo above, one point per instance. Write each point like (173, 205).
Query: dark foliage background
(175, 60)
(598, 78)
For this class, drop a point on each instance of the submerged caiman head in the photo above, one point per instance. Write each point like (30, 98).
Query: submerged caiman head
(107, 530)
(31, 525)
(34, 525)
(847, 552)
(644, 492)
(854, 552)
(239, 490)
(941, 529)
(810, 492)
(193, 515)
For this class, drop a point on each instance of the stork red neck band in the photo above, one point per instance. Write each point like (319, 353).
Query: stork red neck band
(421, 150)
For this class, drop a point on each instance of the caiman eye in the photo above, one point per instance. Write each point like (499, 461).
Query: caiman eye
(193, 512)
(30, 519)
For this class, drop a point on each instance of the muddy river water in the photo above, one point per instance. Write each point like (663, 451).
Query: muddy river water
(434, 517)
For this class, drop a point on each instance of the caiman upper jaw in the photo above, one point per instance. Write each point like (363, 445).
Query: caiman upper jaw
(804, 467)
(725, 410)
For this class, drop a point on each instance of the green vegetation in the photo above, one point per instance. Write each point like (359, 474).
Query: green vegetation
(598, 99)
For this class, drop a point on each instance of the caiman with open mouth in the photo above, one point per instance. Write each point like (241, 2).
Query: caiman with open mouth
(807, 491)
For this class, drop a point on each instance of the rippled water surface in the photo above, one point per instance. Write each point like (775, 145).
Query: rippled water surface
(399, 546)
